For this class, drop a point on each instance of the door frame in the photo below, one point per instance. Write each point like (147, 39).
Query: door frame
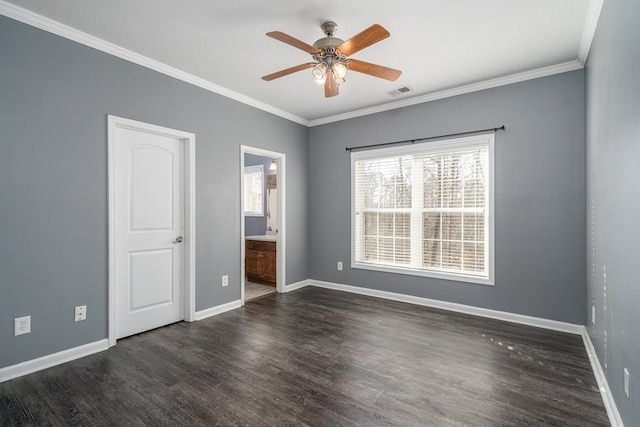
(115, 122)
(281, 264)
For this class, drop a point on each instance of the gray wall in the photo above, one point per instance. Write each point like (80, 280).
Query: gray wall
(613, 205)
(257, 225)
(55, 96)
(539, 195)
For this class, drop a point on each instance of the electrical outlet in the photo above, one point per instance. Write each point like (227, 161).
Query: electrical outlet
(22, 325)
(81, 313)
(593, 314)
(339, 265)
(626, 382)
(225, 280)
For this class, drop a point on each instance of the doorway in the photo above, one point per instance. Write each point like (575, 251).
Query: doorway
(151, 227)
(274, 229)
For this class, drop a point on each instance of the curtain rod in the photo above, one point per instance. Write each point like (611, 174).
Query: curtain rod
(413, 141)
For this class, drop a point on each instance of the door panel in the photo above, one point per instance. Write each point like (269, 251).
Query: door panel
(151, 283)
(149, 263)
(151, 189)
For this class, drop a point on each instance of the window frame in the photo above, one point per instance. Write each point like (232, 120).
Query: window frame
(253, 170)
(429, 147)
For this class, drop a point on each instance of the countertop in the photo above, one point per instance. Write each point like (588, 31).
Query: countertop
(263, 237)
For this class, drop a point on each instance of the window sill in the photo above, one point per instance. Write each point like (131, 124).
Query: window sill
(425, 273)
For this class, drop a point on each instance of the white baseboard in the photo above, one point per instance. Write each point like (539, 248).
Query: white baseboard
(203, 314)
(297, 285)
(50, 360)
(601, 379)
(460, 308)
(24, 368)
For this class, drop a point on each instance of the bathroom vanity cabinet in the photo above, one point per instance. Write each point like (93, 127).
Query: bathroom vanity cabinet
(260, 262)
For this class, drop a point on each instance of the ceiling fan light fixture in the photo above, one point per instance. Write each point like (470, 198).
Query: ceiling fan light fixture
(329, 67)
(339, 70)
(319, 74)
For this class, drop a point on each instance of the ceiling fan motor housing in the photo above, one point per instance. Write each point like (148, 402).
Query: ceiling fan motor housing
(329, 43)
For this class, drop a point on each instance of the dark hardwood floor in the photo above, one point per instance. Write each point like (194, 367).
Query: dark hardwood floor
(323, 358)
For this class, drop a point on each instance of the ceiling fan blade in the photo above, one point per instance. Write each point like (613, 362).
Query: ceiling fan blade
(287, 71)
(374, 70)
(371, 35)
(285, 38)
(330, 86)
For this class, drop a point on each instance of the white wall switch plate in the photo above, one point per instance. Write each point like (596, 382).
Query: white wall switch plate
(80, 313)
(339, 265)
(225, 280)
(22, 325)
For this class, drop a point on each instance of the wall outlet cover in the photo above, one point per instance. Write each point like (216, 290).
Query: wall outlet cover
(339, 265)
(225, 280)
(80, 313)
(22, 325)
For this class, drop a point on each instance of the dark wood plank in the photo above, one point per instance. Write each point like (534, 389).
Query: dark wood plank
(320, 357)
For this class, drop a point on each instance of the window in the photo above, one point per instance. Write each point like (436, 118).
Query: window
(425, 209)
(254, 190)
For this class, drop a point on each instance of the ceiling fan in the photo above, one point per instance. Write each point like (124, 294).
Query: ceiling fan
(332, 57)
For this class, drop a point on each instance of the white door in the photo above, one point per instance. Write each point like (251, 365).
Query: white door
(149, 225)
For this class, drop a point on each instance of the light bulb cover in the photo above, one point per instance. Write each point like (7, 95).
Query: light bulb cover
(319, 74)
(340, 70)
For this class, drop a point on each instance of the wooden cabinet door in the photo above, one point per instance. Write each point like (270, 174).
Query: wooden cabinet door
(252, 263)
(268, 267)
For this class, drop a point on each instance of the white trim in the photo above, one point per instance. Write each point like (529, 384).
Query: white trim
(601, 379)
(190, 227)
(297, 285)
(522, 319)
(54, 27)
(448, 93)
(219, 309)
(50, 360)
(589, 30)
(189, 221)
(281, 240)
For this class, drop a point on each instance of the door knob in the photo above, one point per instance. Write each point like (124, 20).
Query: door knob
(179, 239)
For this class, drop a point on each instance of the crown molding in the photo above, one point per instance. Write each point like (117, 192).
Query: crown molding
(589, 30)
(54, 27)
(62, 30)
(461, 90)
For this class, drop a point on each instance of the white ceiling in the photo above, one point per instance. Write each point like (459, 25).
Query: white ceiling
(439, 45)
